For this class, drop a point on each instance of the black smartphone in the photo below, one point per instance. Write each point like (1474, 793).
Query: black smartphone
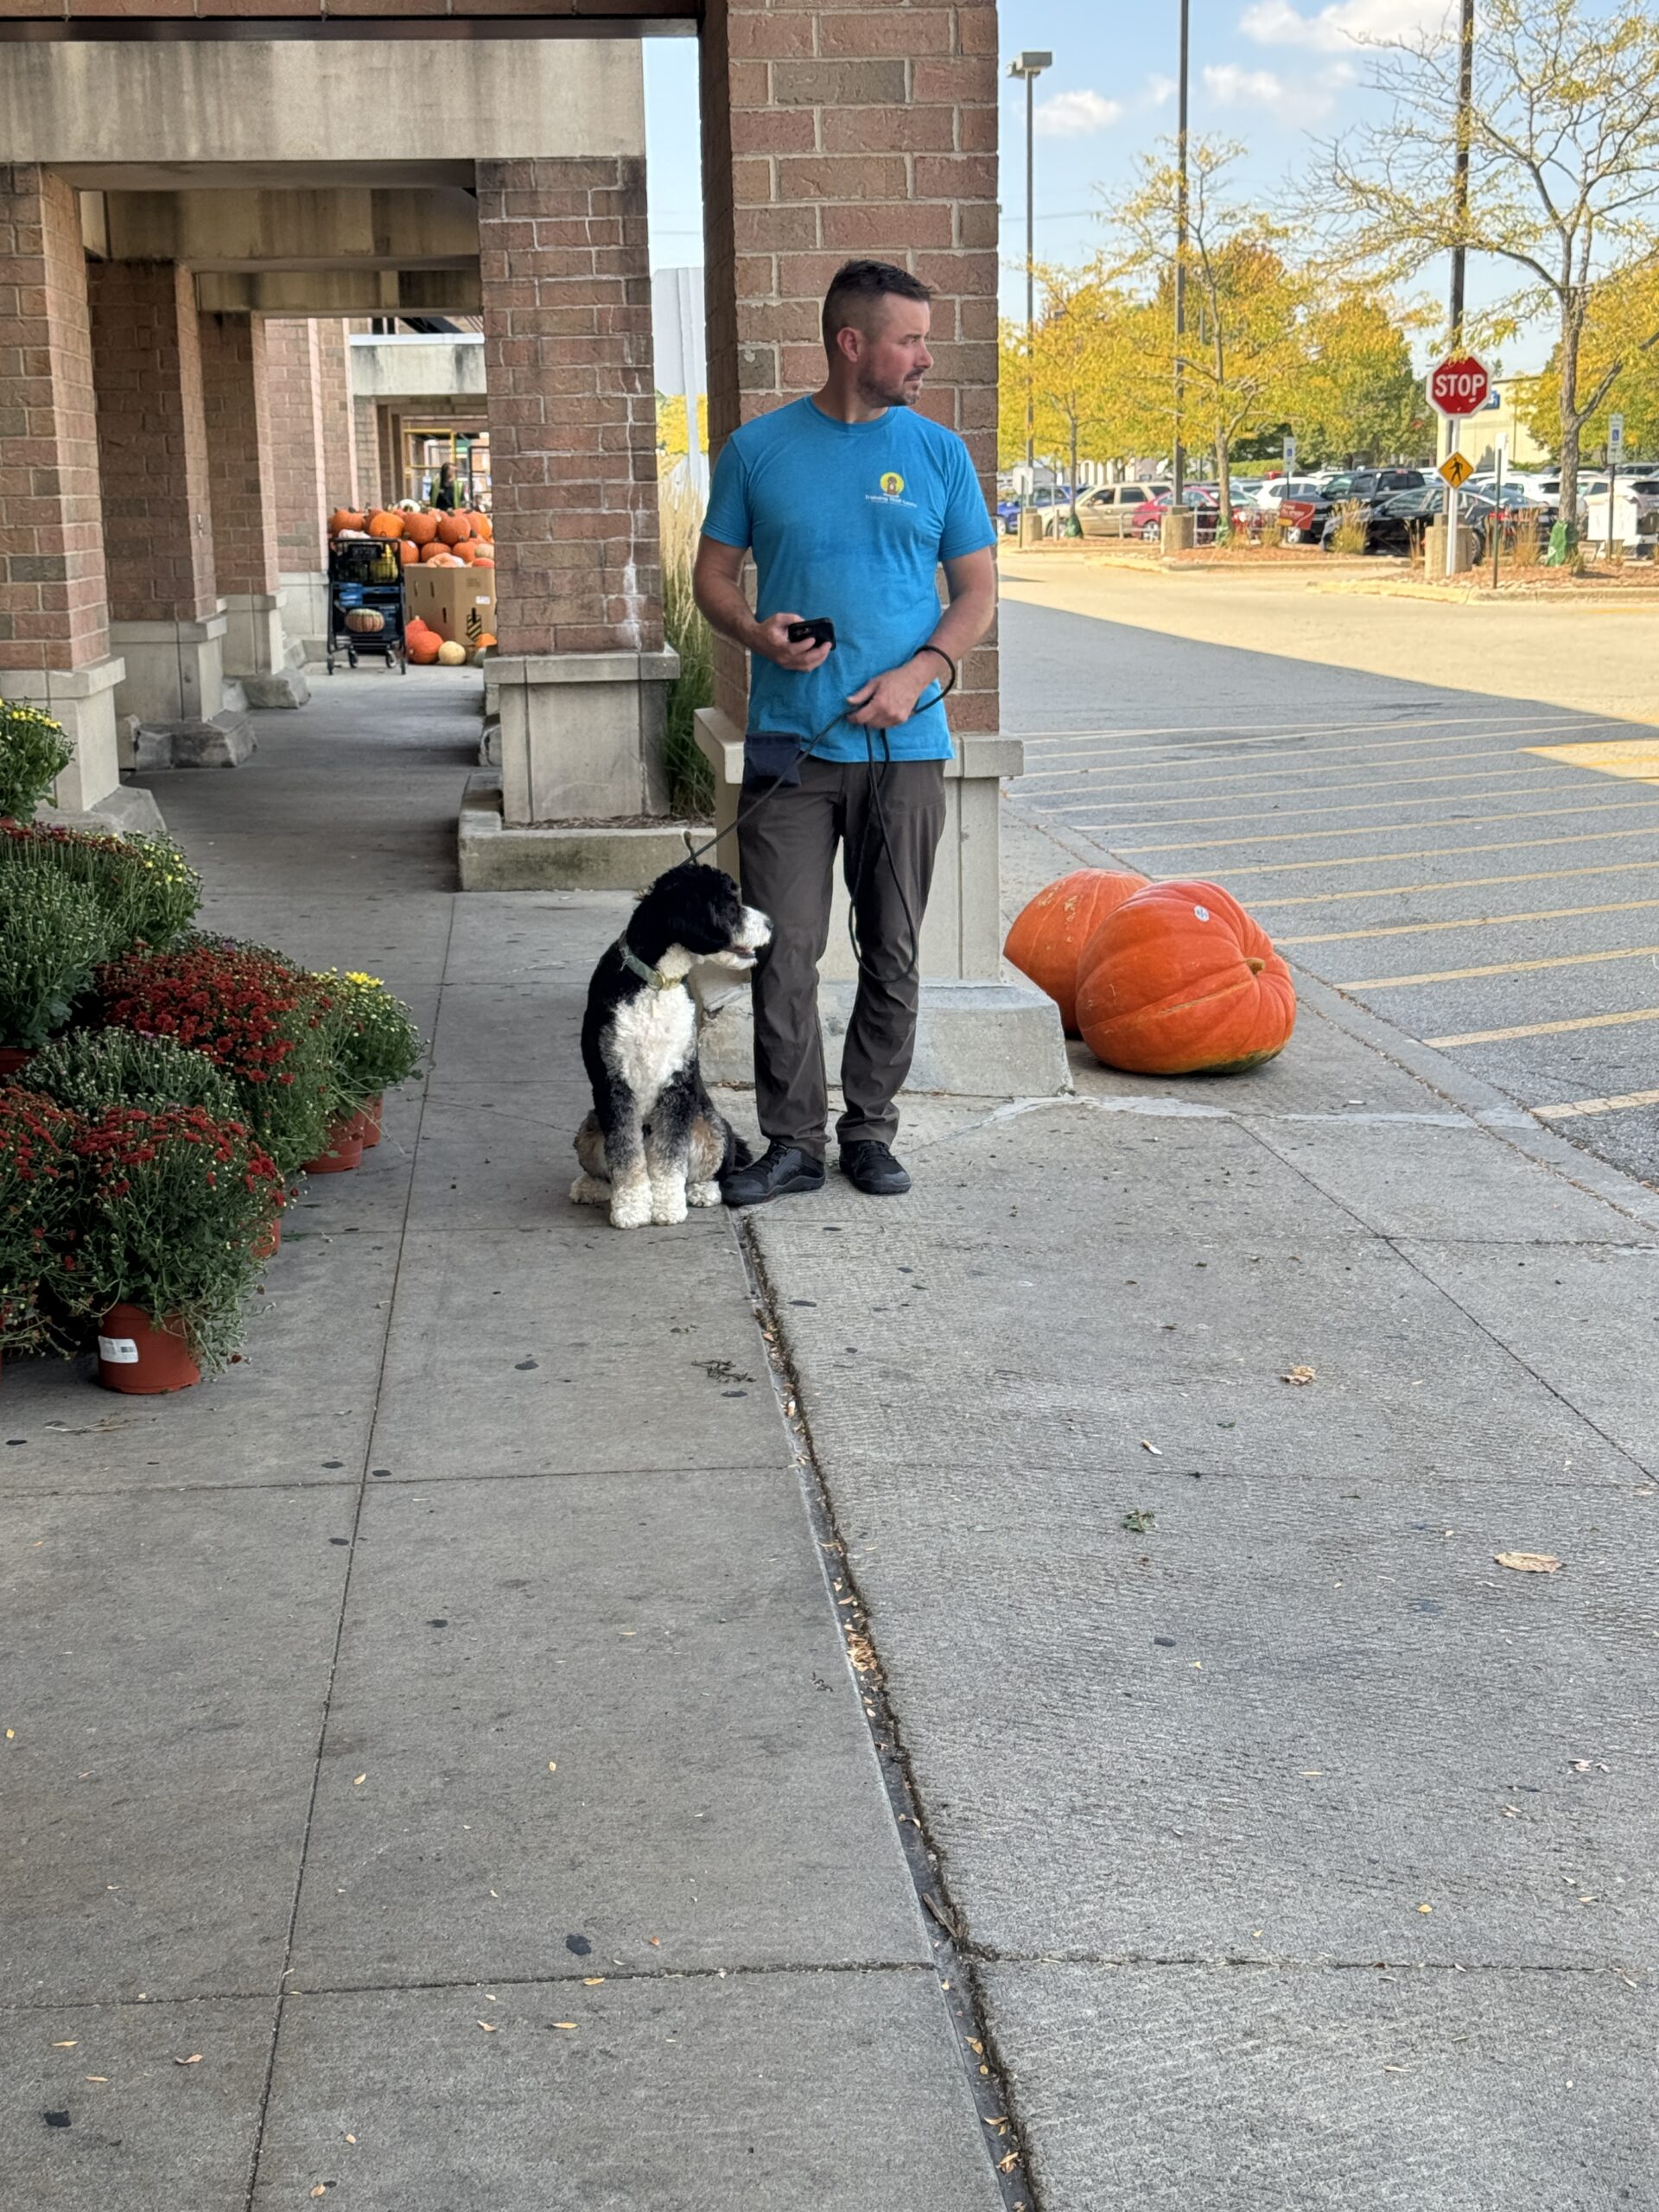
(820, 629)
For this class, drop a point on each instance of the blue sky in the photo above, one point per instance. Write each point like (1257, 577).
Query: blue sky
(1269, 73)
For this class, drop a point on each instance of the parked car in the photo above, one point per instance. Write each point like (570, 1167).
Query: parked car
(1147, 521)
(1109, 511)
(1304, 519)
(1279, 488)
(1395, 523)
(1043, 499)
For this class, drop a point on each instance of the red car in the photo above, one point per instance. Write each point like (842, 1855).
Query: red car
(1204, 499)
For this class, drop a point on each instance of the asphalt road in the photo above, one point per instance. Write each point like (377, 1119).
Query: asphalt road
(1480, 872)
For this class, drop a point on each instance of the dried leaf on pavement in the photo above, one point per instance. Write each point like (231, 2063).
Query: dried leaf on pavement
(1528, 1562)
(1299, 1375)
(194, 2059)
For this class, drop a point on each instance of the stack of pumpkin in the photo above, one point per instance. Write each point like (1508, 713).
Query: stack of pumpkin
(448, 541)
(422, 645)
(1156, 978)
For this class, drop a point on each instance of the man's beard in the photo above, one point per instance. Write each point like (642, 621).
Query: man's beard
(905, 393)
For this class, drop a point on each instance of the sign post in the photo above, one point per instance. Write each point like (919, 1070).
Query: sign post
(1615, 454)
(1457, 386)
(1290, 457)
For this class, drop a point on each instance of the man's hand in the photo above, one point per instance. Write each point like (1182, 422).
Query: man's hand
(887, 701)
(771, 638)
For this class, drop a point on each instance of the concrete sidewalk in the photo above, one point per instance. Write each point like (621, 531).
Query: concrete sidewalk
(443, 1724)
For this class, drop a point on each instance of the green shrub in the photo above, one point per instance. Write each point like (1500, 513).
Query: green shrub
(34, 753)
(53, 934)
(145, 885)
(90, 1068)
(691, 779)
(376, 1043)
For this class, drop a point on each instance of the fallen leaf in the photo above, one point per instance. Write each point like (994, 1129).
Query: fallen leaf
(1152, 1448)
(487, 2026)
(66, 2046)
(1006, 2166)
(322, 2189)
(978, 2049)
(1528, 1562)
(1301, 1376)
(654, 1942)
(552, 1766)
(350, 2138)
(1424, 1908)
(194, 2059)
(562, 2023)
(104, 2077)
(593, 1981)
(356, 1778)
(1139, 1521)
(1396, 2069)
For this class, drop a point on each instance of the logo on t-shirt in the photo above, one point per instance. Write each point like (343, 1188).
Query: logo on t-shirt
(893, 484)
(892, 493)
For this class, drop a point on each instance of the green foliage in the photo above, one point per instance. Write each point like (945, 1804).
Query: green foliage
(1357, 393)
(53, 934)
(147, 888)
(378, 1044)
(90, 1068)
(38, 1184)
(34, 753)
(691, 779)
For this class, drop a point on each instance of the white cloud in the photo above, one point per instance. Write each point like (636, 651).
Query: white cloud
(1336, 27)
(1302, 99)
(1160, 91)
(1076, 115)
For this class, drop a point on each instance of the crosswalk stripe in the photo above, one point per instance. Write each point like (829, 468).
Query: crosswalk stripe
(1596, 1105)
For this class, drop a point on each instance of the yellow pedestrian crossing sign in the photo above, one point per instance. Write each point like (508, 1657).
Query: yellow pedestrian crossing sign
(1457, 468)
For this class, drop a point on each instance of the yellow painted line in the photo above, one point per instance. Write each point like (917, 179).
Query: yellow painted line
(1635, 757)
(1392, 784)
(1460, 883)
(1381, 828)
(1503, 968)
(1475, 922)
(1545, 1028)
(1597, 1105)
(1440, 851)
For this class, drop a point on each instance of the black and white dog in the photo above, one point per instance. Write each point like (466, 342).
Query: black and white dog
(655, 1143)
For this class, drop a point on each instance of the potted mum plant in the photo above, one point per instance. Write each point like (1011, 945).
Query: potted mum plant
(37, 1215)
(53, 934)
(378, 1046)
(148, 890)
(173, 1207)
(87, 1069)
(34, 753)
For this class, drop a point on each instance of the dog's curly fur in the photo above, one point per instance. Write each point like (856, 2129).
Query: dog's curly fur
(655, 1142)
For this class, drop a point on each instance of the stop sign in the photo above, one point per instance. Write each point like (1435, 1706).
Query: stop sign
(1459, 386)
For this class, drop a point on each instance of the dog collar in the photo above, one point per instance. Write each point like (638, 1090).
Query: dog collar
(636, 966)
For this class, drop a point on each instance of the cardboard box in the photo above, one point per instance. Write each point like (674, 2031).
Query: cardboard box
(456, 603)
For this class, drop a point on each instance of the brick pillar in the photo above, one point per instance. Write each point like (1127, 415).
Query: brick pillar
(573, 456)
(242, 491)
(294, 390)
(55, 643)
(367, 432)
(339, 460)
(829, 132)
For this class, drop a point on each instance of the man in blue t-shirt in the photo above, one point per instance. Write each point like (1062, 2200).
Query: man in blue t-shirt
(850, 502)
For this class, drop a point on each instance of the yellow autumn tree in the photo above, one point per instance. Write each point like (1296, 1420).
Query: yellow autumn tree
(1618, 357)
(1357, 395)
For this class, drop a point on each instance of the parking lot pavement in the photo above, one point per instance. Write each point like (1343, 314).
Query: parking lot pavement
(1481, 872)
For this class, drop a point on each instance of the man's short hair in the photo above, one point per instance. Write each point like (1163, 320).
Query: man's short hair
(857, 285)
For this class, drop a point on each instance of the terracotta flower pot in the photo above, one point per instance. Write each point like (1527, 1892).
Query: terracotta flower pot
(365, 1124)
(13, 1057)
(135, 1355)
(345, 1152)
(268, 1246)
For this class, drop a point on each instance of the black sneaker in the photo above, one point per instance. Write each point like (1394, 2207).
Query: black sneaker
(780, 1170)
(871, 1167)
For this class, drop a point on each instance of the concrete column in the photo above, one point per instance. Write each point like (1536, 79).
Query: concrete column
(296, 410)
(829, 133)
(242, 491)
(55, 640)
(164, 615)
(582, 672)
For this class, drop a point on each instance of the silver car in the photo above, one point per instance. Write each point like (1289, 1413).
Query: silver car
(1108, 510)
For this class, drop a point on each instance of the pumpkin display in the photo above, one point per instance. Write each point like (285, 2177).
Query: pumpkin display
(366, 621)
(422, 650)
(452, 528)
(346, 518)
(451, 653)
(442, 560)
(1051, 931)
(384, 523)
(482, 526)
(1181, 981)
(409, 551)
(470, 548)
(421, 527)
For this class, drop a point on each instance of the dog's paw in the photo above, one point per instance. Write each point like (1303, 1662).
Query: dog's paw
(703, 1194)
(668, 1204)
(590, 1190)
(631, 1207)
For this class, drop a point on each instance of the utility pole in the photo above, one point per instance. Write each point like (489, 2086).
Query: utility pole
(1179, 470)
(1030, 66)
(1460, 164)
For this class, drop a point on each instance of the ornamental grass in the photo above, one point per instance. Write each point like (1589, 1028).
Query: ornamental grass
(173, 1207)
(145, 885)
(34, 750)
(53, 934)
(38, 1208)
(269, 1027)
(90, 1069)
(378, 1042)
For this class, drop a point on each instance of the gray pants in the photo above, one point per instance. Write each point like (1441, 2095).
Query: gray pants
(787, 851)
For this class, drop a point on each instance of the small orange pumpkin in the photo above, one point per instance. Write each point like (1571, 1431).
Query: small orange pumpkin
(346, 518)
(1181, 981)
(437, 550)
(423, 650)
(482, 526)
(470, 549)
(385, 524)
(1051, 931)
(486, 641)
(409, 552)
(422, 527)
(366, 621)
(452, 528)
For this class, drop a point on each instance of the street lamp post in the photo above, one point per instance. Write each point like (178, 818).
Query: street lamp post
(1030, 66)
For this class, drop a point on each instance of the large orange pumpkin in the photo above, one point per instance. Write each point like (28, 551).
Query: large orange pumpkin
(346, 518)
(1181, 981)
(421, 527)
(408, 552)
(471, 549)
(385, 524)
(1051, 931)
(482, 526)
(452, 528)
(437, 550)
(423, 650)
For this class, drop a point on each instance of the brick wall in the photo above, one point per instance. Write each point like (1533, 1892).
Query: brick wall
(295, 405)
(152, 441)
(835, 128)
(366, 434)
(52, 584)
(339, 485)
(237, 417)
(572, 410)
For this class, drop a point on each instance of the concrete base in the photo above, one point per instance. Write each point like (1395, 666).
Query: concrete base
(225, 743)
(175, 671)
(974, 1041)
(498, 856)
(83, 700)
(126, 811)
(304, 609)
(255, 642)
(1179, 531)
(282, 687)
(581, 735)
(1434, 551)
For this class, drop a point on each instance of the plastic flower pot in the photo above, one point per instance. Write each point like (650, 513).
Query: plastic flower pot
(268, 1246)
(13, 1057)
(365, 1124)
(345, 1152)
(136, 1356)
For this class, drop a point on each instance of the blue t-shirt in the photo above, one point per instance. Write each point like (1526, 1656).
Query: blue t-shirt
(850, 520)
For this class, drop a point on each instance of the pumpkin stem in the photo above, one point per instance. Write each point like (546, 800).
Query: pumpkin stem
(1255, 965)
